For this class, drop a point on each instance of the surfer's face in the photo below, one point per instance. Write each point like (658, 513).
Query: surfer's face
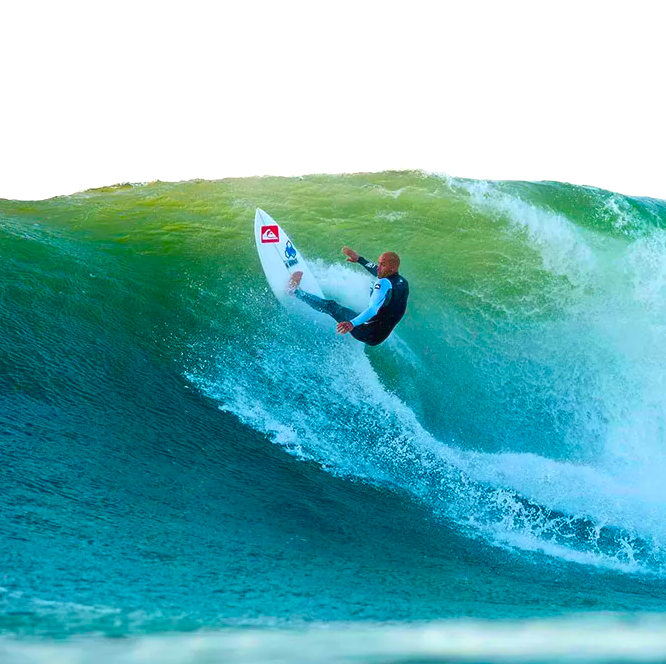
(387, 264)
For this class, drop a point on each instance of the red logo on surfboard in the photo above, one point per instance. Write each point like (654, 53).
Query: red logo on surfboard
(270, 234)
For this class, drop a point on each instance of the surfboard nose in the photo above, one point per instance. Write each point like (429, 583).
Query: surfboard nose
(261, 217)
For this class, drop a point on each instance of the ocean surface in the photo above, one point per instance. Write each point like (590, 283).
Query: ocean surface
(191, 472)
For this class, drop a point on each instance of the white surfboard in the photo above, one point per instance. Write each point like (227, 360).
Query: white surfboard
(280, 258)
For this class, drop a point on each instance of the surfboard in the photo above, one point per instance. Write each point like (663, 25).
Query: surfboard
(280, 258)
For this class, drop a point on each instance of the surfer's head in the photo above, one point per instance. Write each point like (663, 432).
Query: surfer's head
(387, 264)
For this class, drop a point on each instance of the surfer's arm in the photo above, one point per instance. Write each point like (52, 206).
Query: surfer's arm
(370, 267)
(355, 257)
(380, 294)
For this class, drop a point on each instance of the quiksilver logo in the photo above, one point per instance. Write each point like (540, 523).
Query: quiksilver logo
(270, 234)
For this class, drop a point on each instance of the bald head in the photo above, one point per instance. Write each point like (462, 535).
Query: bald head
(387, 264)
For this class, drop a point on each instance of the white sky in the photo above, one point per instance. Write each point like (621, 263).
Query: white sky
(94, 93)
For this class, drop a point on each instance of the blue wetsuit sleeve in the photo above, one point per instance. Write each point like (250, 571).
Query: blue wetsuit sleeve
(370, 267)
(379, 295)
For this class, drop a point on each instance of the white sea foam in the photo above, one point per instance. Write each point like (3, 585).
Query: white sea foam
(395, 215)
(563, 247)
(333, 409)
(584, 638)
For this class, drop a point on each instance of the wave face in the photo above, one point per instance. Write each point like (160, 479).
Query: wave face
(179, 451)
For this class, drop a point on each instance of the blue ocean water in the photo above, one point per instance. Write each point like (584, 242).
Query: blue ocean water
(211, 477)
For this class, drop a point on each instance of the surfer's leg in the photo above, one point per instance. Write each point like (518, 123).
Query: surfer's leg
(330, 307)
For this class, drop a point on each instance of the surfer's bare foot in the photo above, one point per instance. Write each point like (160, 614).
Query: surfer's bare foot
(294, 282)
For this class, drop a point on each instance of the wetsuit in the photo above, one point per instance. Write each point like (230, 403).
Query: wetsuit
(388, 302)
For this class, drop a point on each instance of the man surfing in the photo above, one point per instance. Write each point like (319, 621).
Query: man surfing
(388, 300)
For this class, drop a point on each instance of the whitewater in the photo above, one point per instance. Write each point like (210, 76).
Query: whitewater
(213, 477)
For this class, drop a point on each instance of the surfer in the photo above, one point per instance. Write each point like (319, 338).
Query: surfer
(388, 300)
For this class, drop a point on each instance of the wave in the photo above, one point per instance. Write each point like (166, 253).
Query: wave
(519, 403)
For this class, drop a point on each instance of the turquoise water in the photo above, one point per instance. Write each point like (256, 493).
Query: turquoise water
(212, 477)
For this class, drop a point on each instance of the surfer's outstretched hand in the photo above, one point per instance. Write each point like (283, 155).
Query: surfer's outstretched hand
(352, 256)
(345, 327)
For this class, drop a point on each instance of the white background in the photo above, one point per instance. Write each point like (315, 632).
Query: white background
(97, 93)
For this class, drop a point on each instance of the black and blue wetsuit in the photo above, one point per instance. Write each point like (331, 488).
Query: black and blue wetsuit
(388, 302)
